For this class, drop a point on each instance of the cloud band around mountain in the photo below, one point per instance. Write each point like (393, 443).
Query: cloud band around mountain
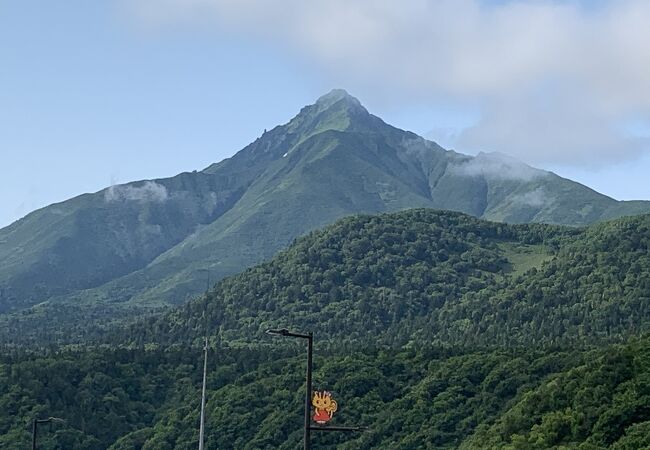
(149, 191)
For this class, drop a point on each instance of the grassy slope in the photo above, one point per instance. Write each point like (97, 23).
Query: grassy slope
(524, 257)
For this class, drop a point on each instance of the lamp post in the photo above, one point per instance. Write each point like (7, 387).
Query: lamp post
(35, 425)
(308, 426)
(310, 348)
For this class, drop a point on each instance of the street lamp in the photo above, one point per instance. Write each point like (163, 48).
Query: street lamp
(310, 348)
(308, 427)
(35, 424)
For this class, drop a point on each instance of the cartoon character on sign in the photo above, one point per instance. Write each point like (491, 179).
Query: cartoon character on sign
(324, 405)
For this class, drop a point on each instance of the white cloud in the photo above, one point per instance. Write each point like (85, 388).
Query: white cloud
(535, 198)
(555, 81)
(557, 125)
(497, 166)
(149, 191)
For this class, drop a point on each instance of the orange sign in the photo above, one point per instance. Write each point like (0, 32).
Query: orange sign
(324, 405)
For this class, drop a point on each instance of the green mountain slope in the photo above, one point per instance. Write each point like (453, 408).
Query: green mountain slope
(154, 243)
(420, 274)
(94, 238)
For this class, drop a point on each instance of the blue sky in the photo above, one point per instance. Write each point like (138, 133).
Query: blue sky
(96, 93)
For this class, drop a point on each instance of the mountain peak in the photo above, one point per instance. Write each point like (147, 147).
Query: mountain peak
(336, 95)
(336, 110)
(341, 99)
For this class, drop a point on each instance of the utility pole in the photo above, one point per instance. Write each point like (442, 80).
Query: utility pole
(205, 373)
(205, 366)
(310, 350)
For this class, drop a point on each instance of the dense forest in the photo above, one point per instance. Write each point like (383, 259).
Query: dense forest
(429, 397)
(433, 329)
(439, 277)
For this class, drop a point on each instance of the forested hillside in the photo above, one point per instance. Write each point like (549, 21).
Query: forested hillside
(419, 275)
(434, 329)
(410, 399)
(601, 403)
(436, 276)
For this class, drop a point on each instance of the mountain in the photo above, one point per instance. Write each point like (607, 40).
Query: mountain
(157, 242)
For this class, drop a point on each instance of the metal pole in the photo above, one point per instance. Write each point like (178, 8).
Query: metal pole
(205, 371)
(34, 435)
(330, 428)
(310, 344)
(35, 425)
